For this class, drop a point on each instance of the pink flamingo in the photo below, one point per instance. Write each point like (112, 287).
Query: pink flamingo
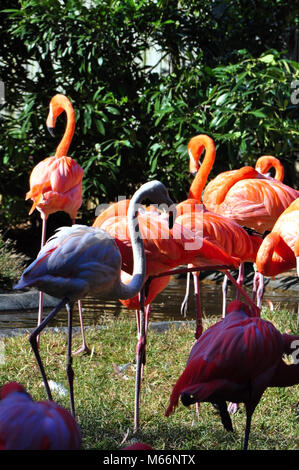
(56, 183)
(236, 359)
(246, 196)
(29, 425)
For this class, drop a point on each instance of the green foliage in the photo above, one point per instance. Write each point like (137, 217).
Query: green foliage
(134, 124)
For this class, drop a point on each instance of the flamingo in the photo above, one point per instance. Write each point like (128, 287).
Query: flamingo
(29, 425)
(236, 359)
(81, 260)
(56, 183)
(246, 196)
(279, 251)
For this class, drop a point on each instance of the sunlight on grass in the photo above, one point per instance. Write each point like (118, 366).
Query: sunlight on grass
(105, 381)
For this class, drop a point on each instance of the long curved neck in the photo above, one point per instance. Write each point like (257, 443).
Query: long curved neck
(265, 162)
(156, 193)
(130, 290)
(65, 142)
(195, 148)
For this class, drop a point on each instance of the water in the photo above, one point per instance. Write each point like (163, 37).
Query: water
(165, 308)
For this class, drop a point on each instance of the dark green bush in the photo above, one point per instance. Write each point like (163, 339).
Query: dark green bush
(133, 123)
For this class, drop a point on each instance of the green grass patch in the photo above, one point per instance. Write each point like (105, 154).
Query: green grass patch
(104, 395)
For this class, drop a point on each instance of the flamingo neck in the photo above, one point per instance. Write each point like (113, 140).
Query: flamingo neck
(65, 142)
(154, 192)
(266, 162)
(195, 148)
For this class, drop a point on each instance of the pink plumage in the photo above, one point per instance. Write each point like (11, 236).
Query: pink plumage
(29, 425)
(235, 360)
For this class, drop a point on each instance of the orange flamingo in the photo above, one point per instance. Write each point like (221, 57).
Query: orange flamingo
(246, 196)
(280, 247)
(236, 359)
(56, 182)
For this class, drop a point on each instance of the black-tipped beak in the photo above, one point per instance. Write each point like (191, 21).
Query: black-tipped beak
(170, 220)
(172, 216)
(51, 131)
(193, 173)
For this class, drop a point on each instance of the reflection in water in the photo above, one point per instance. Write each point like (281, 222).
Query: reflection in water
(166, 306)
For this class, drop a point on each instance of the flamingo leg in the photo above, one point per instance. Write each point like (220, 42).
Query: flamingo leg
(260, 291)
(240, 280)
(84, 347)
(255, 284)
(199, 327)
(249, 412)
(69, 368)
(41, 294)
(224, 290)
(35, 348)
(140, 358)
(184, 305)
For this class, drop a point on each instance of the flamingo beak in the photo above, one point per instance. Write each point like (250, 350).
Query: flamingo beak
(51, 131)
(172, 216)
(193, 173)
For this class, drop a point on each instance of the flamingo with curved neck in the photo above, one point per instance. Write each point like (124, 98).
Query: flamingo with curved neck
(56, 182)
(79, 261)
(246, 196)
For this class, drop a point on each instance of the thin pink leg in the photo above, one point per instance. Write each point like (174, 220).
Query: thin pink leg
(255, 285)
(41, 294)
(240, 280)
(260, 291)
(224, 289)
(184, 305)
(84, 347)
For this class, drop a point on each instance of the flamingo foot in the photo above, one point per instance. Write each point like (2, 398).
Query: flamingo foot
(233, 408)
(184, 307)
(83, 349)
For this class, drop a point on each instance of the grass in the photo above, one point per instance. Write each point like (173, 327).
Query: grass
(104, 397)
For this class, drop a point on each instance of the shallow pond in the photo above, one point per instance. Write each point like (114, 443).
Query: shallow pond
(166, 305)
